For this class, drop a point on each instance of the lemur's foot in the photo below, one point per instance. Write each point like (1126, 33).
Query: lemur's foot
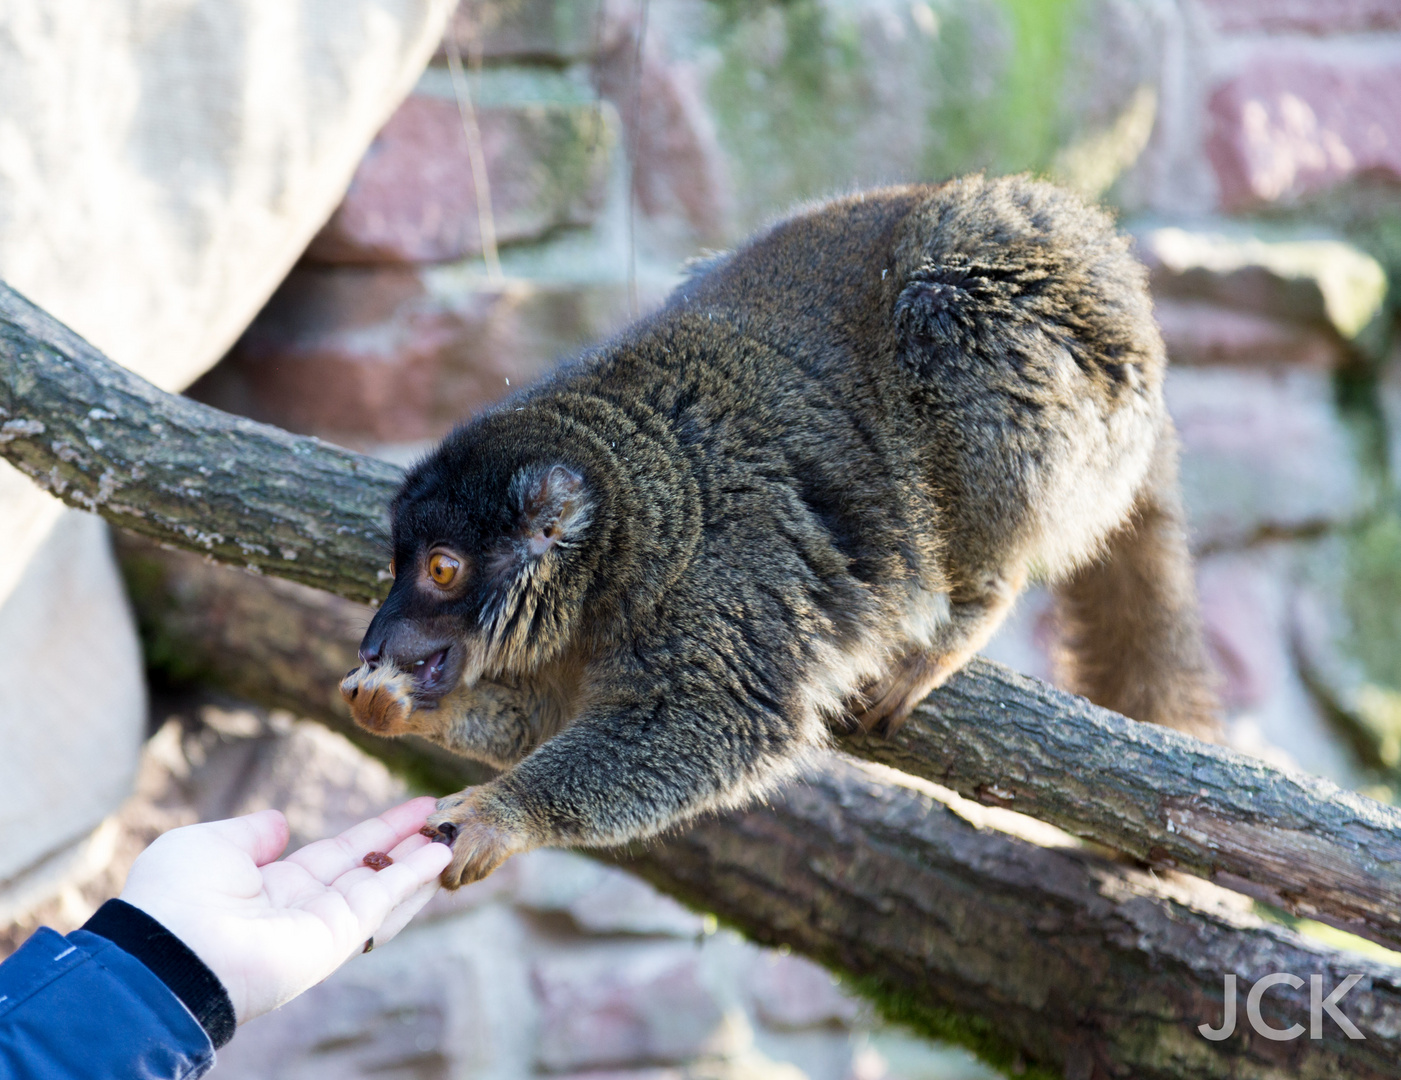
(380, 698)
(481, 836)
(883, 705)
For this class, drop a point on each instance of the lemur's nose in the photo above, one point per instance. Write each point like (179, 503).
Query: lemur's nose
(370, 652)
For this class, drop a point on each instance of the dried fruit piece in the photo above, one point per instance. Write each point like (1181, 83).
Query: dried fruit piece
(377, 860)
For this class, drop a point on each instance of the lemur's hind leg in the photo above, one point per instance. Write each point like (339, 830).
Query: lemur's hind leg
(975, 612)
(1131, 636)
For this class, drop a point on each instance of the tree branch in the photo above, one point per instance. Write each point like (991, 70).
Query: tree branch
(1026, 954)
(248, 494)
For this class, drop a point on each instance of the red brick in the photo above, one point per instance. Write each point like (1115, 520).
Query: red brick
(368, 355)
(413, 198)
(1203, 333)
(359, 355)
(1288, 127)
(1306, 16)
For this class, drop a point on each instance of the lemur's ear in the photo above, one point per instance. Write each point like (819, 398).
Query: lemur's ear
(554, 507)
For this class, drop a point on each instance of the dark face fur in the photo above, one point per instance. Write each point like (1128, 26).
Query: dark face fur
(481, 549)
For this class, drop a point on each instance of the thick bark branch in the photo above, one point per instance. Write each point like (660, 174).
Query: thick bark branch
(1050, 957)
(252, 495)
(1294, 840)
(102, 439)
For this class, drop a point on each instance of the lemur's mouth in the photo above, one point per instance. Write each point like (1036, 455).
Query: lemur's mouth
(432, 677)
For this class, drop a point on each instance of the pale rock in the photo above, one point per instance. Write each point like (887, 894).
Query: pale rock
(162, 167)
(1329, 282)
(71, 684)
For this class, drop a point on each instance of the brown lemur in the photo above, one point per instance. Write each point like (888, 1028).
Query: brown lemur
(794, 500)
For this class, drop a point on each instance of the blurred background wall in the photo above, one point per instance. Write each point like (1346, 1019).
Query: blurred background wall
(1253, 149)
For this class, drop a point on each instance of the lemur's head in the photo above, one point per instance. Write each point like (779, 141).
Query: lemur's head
(489, 538)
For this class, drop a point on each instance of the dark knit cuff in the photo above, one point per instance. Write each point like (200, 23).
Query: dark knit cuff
(171, 961)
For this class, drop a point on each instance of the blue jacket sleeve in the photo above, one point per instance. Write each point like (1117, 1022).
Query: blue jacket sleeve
(79, 1006)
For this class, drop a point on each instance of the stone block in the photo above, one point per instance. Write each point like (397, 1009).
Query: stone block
(366, 356)
(414, 197)
(1346, 620)
(551, 30)
(1303, 16)
(1026, 640)
(791, 993)
(644, 1006)
(1389, 397)
(623, 904)
(1263, 452)
(677, 169)
(599, 900)
(1246, 599)
(1198, 333)
(1324, 282)
(1288, 126)
(320, 780)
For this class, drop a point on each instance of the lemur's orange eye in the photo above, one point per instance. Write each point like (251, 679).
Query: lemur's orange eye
(443, 568)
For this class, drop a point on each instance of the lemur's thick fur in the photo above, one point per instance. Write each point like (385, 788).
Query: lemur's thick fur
(796, 498)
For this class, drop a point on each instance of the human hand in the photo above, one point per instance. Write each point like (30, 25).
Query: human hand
(272, 929)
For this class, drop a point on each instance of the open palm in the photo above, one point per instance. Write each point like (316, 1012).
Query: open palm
(269, 928)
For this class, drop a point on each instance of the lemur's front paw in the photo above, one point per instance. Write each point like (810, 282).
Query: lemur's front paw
(482, 837)
(380, 698)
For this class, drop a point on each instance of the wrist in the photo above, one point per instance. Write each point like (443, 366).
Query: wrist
(172, 961)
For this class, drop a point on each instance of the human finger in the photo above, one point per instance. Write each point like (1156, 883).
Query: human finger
(327, 860)
(222, 855)
(403, 914)
(373, 899)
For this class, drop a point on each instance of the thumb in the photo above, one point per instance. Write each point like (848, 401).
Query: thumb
(261, 835)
